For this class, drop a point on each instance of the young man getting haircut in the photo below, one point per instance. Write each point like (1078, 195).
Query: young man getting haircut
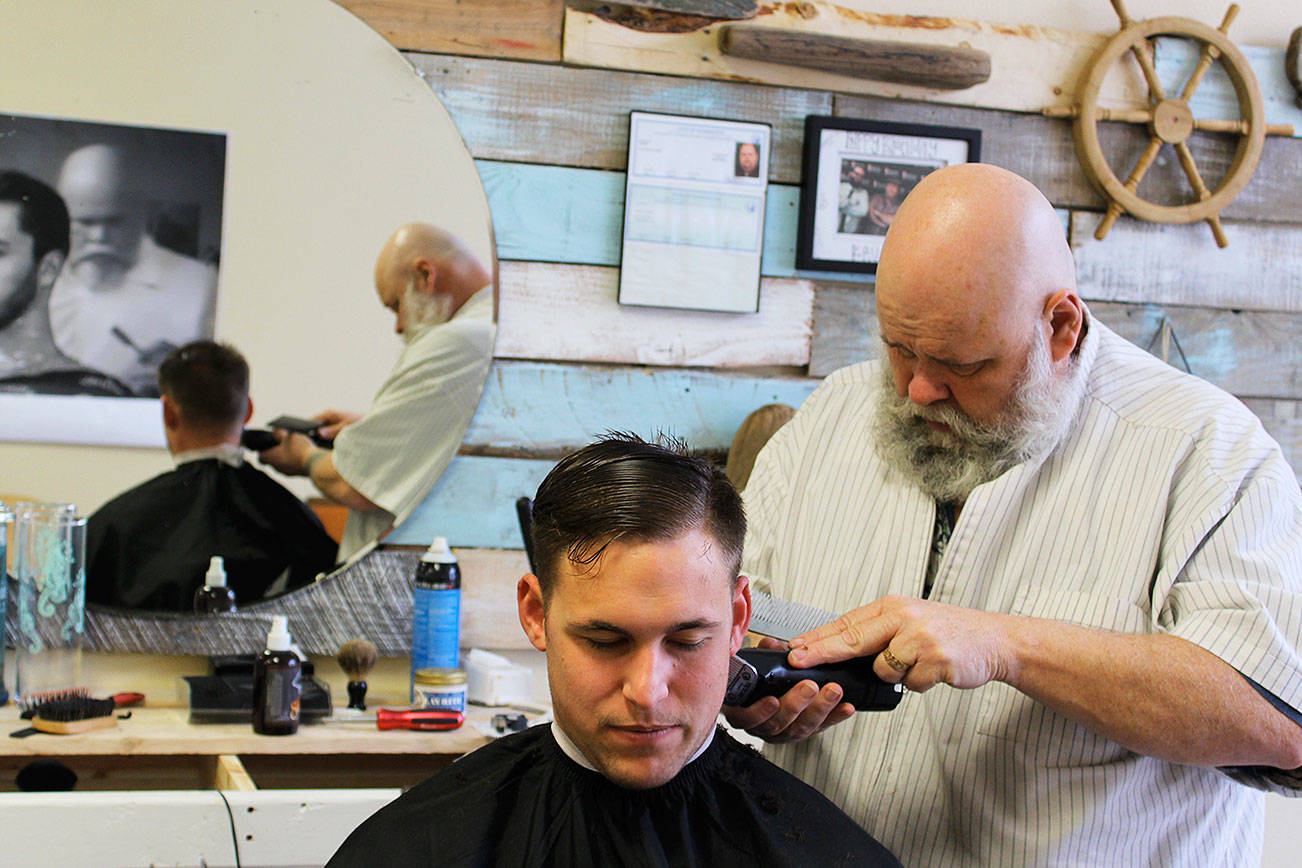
(639, 606)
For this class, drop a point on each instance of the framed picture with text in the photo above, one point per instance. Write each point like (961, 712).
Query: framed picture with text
(856, 174)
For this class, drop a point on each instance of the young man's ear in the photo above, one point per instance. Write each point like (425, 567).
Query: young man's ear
(248, 412)
(171, 414)
(532, 617)
(740, 613)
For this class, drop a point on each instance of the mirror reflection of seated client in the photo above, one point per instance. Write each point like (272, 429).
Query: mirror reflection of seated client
(123, 301)
(33, 246)
(639, 606)
(384, 463)
(149, 547)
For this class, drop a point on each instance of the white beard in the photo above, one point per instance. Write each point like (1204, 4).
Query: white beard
(948, 465)
(422, 310)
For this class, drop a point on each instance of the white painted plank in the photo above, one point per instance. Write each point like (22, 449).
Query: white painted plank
(300, 827)
(1180, 264)
(273, 828)
(489, 617)
(113, 829)
(571, 313)
(1031, 67)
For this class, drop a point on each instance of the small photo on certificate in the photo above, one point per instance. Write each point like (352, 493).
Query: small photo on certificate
(694, 213)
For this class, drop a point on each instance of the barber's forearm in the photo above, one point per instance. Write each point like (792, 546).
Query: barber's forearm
(1158, 695)
(321, 470)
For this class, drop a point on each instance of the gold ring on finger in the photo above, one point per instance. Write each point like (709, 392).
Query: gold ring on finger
(894, 662)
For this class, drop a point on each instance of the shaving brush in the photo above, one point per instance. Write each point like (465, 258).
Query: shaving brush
(356, 657)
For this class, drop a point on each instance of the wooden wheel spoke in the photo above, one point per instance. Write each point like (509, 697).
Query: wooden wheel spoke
(1191, 171)
(1143, 51)
(1145, 162)
(1205, 61)
(1130, 116)
(1213, 125)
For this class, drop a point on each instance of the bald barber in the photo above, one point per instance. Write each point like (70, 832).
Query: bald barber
(123, 302)
(1085, 565)
(384, 463)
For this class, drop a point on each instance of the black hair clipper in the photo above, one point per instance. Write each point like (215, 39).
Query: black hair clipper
(758, 672)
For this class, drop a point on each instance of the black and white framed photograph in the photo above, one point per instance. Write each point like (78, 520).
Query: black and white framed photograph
(856, 174)
(139, 211)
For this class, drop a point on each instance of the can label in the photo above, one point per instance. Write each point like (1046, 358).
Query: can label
(436, 629)
(443, 698)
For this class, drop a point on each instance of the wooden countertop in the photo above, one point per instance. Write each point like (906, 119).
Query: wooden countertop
(167, 731)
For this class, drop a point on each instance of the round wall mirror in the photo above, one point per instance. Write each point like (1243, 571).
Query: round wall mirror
(308, 139)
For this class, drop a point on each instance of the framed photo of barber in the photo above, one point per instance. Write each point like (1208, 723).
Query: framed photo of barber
(856, 174)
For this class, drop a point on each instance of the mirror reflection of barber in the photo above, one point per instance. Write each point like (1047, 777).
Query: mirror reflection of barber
(384, 462)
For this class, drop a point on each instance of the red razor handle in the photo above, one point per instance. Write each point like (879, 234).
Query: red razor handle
(423, 719)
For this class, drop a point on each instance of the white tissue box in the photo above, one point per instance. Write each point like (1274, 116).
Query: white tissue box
(493, 680)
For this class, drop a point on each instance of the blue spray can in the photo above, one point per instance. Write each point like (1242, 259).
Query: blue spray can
(436, 611)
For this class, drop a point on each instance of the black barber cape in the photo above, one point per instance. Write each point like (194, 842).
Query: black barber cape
(148, 548)
(521, 801)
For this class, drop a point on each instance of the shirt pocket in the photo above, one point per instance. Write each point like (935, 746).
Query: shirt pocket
(1030, 732)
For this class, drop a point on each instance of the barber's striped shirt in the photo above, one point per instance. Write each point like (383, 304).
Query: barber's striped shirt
(1166, 510)
(396, 452)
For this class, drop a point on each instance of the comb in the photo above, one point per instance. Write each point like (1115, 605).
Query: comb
(782, 619)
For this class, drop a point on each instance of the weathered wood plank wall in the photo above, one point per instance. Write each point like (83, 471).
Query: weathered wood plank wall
(551, 144)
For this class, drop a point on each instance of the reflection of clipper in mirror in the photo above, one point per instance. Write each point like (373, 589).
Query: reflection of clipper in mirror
(757, 672)
(309, 427)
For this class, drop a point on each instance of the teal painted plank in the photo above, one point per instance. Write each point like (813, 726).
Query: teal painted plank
(473, 505)
(540, 406)
(1215, 97)
(559, 214)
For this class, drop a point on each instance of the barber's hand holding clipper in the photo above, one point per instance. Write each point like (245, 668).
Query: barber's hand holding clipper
(917, 643)
(803, 711)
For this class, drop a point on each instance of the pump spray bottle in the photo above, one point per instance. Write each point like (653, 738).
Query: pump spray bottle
(277, 683)
(214, 597)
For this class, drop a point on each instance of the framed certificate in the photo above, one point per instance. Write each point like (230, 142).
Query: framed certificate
(694, 213)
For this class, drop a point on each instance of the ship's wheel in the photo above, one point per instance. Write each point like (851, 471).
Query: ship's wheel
(1170, 121)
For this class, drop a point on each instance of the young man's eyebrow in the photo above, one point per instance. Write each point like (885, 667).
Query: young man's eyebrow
(681, 626)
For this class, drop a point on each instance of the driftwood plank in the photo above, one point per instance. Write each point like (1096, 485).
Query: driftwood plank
(1041, 150)
(561, 214)
(579, 117)
(1028, 63)
(944, 67)
(523, 29)
(1247, 353)
(570, 313)
(541, 410)
(1180, 264)
(1032, 67)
